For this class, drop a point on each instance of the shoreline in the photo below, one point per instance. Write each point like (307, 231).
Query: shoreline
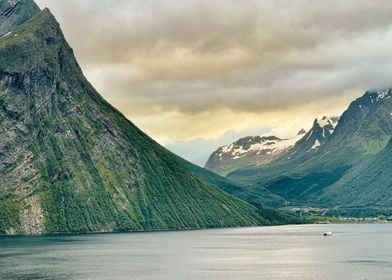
(182, 230)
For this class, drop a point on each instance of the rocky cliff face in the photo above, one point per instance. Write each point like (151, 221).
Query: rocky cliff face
(15, 12)
(69, 162)
(313, 140)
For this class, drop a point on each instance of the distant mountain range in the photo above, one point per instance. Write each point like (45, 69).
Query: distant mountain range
(340, 164)
(70, 162)
(249, 151)
(261, 150)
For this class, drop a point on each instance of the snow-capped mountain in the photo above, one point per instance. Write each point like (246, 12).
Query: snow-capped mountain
(261, 150)
(315, 138)
(250, 151)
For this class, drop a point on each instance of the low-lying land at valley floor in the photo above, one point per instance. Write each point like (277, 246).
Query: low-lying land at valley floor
(314, 215)
(348, 220)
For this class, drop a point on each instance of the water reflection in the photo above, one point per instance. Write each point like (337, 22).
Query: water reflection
(289, 252)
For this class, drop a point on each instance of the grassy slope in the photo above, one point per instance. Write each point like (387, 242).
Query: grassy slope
(261, 197)
(366, 189)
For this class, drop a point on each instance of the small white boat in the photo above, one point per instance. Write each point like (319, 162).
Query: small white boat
(328, 233)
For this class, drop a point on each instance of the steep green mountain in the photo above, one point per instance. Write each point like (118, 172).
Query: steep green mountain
(69, 162)
(365, 127)
(365, 189)
(363, 130)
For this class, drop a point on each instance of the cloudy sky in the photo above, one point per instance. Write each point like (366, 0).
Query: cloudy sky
(197, 74)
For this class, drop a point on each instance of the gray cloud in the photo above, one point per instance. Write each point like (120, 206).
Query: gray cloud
(255, 63)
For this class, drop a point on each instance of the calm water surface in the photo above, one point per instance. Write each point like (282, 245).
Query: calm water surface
(355, 252)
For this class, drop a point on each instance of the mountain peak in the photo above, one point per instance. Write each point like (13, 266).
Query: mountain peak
(49, 17)
(14, 13)
(369, 120)
(325, 122)
(380, 95)
(316, 137)
(301, 132)
(43, 30)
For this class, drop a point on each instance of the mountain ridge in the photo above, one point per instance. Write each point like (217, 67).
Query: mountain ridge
(249, 151)
(253, 151)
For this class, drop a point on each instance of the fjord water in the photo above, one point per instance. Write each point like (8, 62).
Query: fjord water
(286, 252)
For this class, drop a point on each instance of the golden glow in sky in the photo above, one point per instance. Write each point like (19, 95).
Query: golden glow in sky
(199, 74)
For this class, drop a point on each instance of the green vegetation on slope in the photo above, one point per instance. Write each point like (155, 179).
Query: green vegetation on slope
(9, 213)
(366, 189)
(261, 197)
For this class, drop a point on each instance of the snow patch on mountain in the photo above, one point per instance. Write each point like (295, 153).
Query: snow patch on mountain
(384, 94)
(266, 145)
(261, 150)
(316, 145)
(325, 121)
(380, 95)
(273, 146)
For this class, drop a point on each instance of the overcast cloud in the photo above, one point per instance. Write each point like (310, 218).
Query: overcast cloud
(197, 74)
